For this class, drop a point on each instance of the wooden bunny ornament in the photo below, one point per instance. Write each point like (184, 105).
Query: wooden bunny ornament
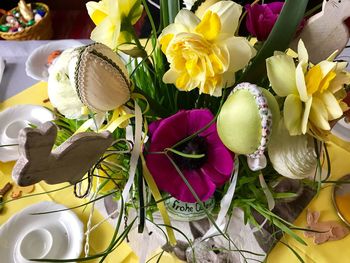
(67, 163)
(326, 31)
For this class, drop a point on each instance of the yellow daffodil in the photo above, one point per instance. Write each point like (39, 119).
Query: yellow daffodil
(108, 16)
(203, 52)
(313, 92)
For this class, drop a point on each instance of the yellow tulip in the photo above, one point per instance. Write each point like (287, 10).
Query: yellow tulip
(108, 16)
(203, 52)
(313, 92)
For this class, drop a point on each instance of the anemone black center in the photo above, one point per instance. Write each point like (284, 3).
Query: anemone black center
(197, 145)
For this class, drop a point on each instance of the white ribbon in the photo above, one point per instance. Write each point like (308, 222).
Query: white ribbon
(135, 153)
(224, 205)
(267, 192)
(256, 164)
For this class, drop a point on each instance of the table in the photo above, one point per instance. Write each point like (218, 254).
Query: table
(324, 253)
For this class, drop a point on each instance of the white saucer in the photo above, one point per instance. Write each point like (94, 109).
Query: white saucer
(50, 236)
(36, 64)
(342, 130)
(13, 120)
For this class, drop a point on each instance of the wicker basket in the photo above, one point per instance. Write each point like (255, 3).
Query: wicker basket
(41, 30)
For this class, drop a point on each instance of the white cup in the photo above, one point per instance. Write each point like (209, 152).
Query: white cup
(36, 244)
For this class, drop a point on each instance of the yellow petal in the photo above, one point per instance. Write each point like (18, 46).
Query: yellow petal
(210, 26)
(229, 13)
(319, 115)
(313, 79)
(326, 81)
(332, 105)
(281, 73)
(96, 12)
(293, 111)
(164, 41)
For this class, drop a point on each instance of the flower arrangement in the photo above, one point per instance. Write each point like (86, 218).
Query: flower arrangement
(200, 116)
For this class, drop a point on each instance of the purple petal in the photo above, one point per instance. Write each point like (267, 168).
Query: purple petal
(261, 18)
(276, 7)
(217, 178)
(200, 183)
(168, 131)
(197, 119)
(219, 156)
(161, 169)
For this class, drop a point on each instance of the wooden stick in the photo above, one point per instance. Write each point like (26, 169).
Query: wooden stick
(5, 189)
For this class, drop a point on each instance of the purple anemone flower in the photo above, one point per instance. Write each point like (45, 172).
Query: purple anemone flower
(204, 174)
(262, 18)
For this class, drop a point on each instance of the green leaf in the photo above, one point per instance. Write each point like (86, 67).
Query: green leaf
(168, 11)
(294, 252)
(135, 52)
(279, 38)
(185, 155)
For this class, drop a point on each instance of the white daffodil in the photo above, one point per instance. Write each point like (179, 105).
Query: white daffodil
(61, 93)
(204, 52)
(313, 92)
(108, 16)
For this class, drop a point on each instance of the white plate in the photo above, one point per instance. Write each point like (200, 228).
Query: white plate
(12, 120)
(342, 130)
(36, 65)
(56, 236)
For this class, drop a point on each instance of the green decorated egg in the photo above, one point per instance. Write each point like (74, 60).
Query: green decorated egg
(246, 119)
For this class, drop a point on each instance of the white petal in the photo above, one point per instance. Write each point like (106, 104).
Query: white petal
(326, 67)
(281, 73)
(300, 81)
(306, 114)
(293, 114)
(106, 33)
(229, 13)
(170, 76)
(319, 114)
(187, 19)
(332, 105)
(302, 52)
(240, 52)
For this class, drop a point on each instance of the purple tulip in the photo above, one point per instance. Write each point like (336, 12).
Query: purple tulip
(262, 18)
(204, 174)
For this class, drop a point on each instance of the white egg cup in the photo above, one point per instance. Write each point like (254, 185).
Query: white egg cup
(35, 244)
(11, 131)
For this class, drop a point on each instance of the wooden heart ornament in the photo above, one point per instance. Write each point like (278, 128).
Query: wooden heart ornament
(67, 163)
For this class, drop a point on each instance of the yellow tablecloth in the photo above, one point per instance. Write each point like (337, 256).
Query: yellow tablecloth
(336, 251)
(100, 238)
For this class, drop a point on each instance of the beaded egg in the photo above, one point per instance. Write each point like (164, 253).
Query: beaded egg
(246, 121)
